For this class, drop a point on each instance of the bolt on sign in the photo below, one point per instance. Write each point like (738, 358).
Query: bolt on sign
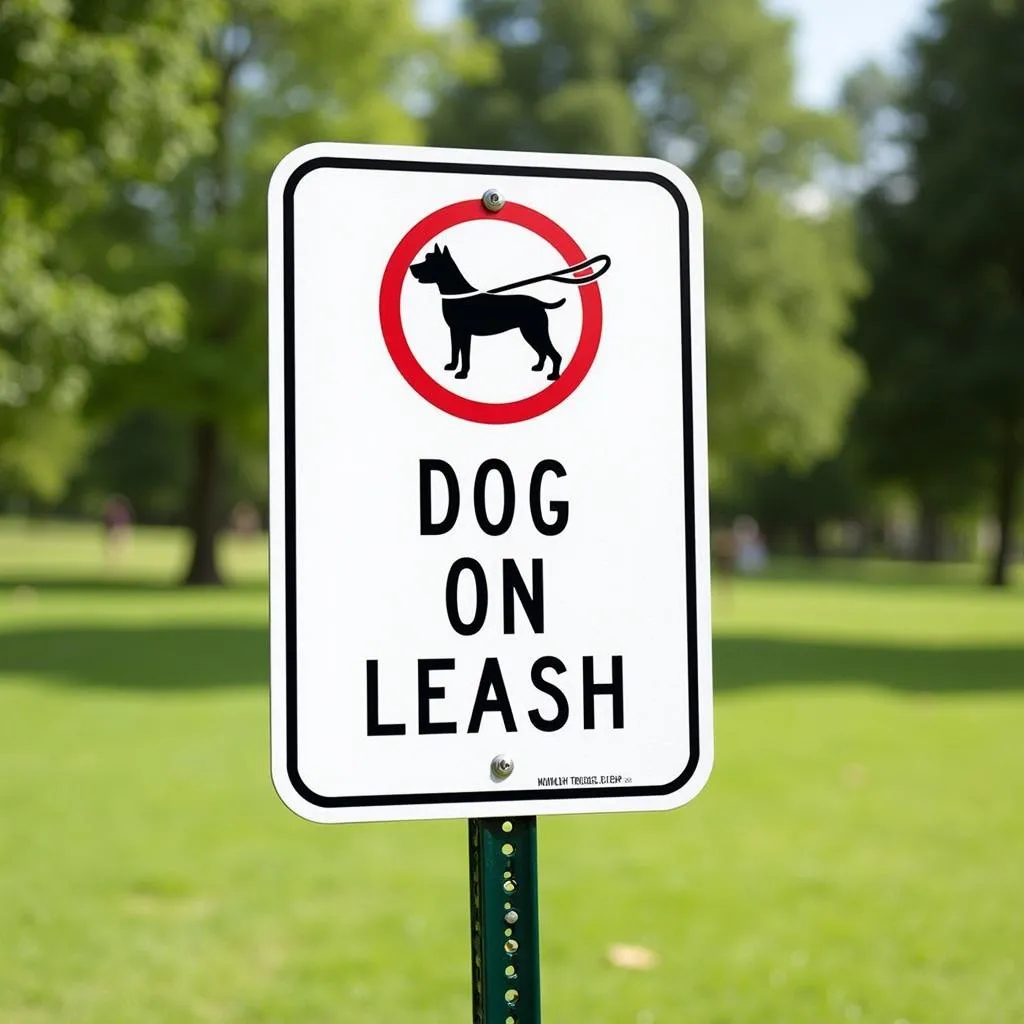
(489, 536)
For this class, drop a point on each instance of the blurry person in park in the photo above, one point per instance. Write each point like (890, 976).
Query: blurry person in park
(117, 526)
(751, 552)
(723, 564)
(245, 519)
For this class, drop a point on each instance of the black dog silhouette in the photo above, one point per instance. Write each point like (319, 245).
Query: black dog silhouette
(469, 312)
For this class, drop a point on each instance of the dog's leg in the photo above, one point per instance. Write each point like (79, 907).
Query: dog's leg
(537, 337)
(461, 347)
(455, 355)
(530, 337)
(556, 364)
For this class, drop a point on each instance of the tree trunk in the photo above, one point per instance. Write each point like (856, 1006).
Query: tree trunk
(810, 546)
(204, 512)
(864, 537)
(1007, 489)
(204, 519)
(929, 534)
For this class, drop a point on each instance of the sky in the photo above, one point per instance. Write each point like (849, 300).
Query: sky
(833, 37)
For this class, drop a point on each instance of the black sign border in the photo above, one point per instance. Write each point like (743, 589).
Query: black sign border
(497, 795)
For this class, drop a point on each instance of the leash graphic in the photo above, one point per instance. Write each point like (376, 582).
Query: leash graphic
(578, 275)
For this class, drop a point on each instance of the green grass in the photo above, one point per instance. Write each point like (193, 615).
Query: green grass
(858, 855)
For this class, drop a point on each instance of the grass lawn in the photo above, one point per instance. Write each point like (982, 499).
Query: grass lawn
(858, 855)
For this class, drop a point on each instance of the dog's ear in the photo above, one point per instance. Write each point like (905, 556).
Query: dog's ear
(446, 252)
(437, 249)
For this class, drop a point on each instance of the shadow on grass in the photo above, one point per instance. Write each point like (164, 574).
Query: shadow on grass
(158, 659)
(745, 662)
(192, 658)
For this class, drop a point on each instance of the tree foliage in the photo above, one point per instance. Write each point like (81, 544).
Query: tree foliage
(94, 96)
(942, 331)
(708, 85)
(284, 72)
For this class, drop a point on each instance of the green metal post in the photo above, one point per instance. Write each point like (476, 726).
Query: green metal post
(504, 934)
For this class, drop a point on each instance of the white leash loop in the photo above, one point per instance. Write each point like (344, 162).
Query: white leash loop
(580, 274)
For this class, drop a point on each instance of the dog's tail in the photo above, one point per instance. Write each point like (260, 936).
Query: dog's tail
(553, 305)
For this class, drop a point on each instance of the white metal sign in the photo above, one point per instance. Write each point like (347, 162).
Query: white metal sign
(489, 536)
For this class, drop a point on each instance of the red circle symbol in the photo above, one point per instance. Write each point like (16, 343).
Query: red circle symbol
(394, 332)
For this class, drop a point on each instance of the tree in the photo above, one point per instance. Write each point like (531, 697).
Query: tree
(93, 96)
(708, 85)
(143, 457)
(793, 505)
(284, 73)
(943, 326)
(874, 97)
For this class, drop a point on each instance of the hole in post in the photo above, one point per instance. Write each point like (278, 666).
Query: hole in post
(507, 874)
(506, 826)
(508, 933)
(510, 1019)
(512, 996)
(508, 849)
(510, 971)
(509, 885)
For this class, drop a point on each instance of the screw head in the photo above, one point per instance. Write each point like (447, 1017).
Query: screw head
(501, 766)
(493, 200)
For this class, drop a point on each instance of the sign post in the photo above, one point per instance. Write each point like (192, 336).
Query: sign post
(504, 926)
(489, 527)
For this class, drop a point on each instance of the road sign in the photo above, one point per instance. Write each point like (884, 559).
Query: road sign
(489, 534)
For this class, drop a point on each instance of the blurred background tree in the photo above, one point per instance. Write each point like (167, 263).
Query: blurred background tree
(708, 85)
(283, 73)
(942, 331)
(137, 137)
(793, 506)
(94, 98)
